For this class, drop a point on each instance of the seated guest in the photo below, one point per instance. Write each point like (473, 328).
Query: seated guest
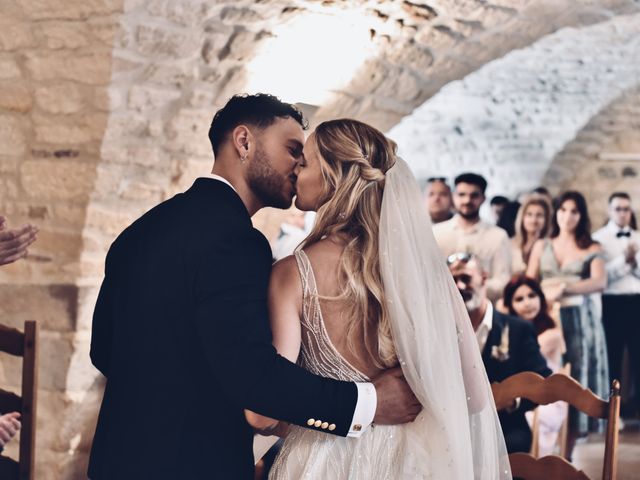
(532, 223)
(9, 426)
(621, 300)
(498, 204)
(465, 232)
(523, 298)
(437, 196)
(508, 345)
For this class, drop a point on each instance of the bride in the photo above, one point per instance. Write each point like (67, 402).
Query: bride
(366, 291)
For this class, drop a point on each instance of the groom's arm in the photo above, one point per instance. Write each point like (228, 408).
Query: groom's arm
(232, 320)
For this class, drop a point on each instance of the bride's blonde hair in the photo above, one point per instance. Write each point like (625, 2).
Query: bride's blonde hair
(354, 160)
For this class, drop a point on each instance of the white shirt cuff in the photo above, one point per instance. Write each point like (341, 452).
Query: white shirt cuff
(365, 409)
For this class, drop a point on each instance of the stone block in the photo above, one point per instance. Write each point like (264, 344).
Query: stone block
(60, 98)
(69, 9)
(9, 68)
(93, 68)
(109, 220)
(66, 179)
(15, 34)
(106, 29)
(167, 43)
(187, 13)
(240, 15)
(188, 132)
(144, 155)
(62, 133)
(175, 75)
(145, 98)
(12, 135)
(54, 307)
(15, 97)
(403, 86)
(68, 35)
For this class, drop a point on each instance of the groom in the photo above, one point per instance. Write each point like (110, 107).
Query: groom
(181, 329)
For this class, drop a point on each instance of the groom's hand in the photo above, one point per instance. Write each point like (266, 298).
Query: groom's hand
(396, 402)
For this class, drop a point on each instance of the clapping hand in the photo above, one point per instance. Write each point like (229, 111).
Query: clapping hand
(14, 242)
(9, 426)
(630, 254)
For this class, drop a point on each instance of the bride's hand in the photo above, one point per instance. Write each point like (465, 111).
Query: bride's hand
(396, 402)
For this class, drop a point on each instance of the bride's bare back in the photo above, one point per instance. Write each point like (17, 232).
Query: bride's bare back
(286, 297)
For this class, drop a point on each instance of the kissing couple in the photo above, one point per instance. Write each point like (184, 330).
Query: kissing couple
(357, 349)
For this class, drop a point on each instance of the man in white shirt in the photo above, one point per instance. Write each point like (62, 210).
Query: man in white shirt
(621, 299)
(466, 232)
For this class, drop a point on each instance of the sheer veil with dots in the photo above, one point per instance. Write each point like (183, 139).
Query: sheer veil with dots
(458, 428)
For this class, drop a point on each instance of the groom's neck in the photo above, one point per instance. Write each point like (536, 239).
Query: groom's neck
(236, 179)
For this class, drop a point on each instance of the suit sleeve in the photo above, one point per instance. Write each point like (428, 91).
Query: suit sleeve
(531, 359)
(102, 326)
(233, 326)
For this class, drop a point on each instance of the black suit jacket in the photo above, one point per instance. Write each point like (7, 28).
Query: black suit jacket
(181, 332)
(524, 356)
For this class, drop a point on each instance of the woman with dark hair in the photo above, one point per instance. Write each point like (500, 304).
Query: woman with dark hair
(523, 297)
(572, 271)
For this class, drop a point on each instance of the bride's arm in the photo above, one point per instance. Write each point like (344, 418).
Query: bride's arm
(285, 306)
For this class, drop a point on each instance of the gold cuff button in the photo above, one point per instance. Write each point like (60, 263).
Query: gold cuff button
(357, 427)
(324, 425)
(310, 422)
(332, 427)
(318, 423)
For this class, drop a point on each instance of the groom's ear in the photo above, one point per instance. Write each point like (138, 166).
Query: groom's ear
(242, 140)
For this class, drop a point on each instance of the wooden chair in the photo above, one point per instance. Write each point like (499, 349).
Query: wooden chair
(561, 441)
(15, 342)
(557, 387)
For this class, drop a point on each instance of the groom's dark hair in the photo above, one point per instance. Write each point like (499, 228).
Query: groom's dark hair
(259, 110)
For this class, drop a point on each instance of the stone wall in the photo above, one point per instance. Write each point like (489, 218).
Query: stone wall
(510, 118)
(104, 109)
(603, 157)
(55, 70)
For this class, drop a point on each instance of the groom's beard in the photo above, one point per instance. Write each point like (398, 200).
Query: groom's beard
(267, 184)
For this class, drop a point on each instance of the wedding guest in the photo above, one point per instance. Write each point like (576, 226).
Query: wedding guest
(532, 223)
(9, 426)
(621, 299)
(15, 241)
(498, 204)
(437, 196)
(523, 297)
(466, 232)
(508, 344)
(507, 220)
(572, 270)
(293, 231)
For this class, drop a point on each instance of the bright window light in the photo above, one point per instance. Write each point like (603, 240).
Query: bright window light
(310, 56)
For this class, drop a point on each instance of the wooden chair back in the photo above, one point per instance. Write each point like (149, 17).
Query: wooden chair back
(21, 344)
(543, 391)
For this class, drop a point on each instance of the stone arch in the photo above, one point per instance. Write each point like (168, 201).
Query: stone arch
(509, 119)
(605, 155)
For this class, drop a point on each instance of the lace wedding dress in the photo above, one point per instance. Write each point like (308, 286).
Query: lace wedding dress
(382, 452)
